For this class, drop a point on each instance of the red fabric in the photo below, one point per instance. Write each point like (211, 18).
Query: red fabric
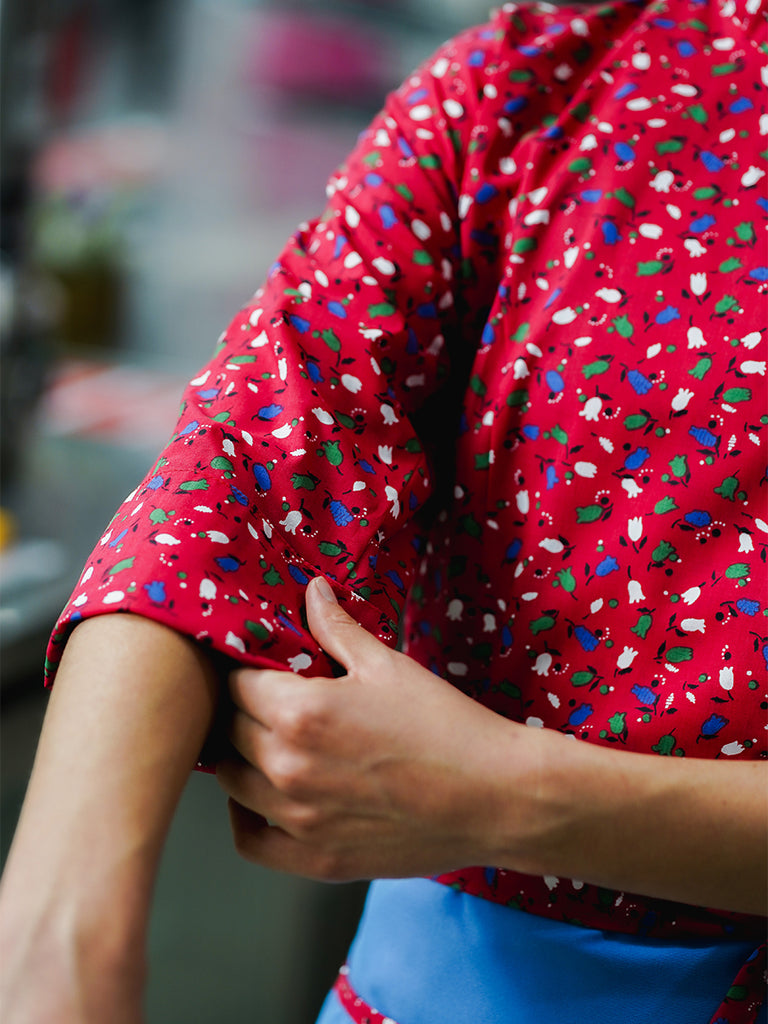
(359, 1011)
(510, 388)
(747, 993)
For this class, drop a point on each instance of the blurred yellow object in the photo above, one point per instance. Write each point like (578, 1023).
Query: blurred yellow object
(7, 529)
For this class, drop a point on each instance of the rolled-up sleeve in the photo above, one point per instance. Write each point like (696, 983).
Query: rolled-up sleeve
(298, 449)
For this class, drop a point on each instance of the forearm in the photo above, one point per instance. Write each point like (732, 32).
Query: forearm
(131, 707)
(691, 830)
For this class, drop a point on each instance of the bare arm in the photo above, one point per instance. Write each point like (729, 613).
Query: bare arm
(130, 710)
(684, 829)
(389, 771)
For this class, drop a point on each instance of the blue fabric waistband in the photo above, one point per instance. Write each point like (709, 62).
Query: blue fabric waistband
(425, 953)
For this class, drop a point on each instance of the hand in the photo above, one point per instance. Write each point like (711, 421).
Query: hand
(391, 772)
(387, 771)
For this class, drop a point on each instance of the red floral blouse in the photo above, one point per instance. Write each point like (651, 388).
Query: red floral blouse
(508, 393)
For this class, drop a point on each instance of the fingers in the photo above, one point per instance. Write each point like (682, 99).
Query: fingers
(262, 693)
(275, 700)
(264, 802)
(245, 821)
(281, 834)
(248, 736)
(254, 838)
(270, 770)
(273, 848)
(248, 786)
(250, 688)
(336, 631)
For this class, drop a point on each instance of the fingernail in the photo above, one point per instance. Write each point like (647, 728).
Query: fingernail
(324, 590)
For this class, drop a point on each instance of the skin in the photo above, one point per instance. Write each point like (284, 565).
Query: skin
(389, 771)
(386, 771)
(131, 707)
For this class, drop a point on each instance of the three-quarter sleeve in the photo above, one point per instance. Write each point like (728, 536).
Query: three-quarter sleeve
(299, 448)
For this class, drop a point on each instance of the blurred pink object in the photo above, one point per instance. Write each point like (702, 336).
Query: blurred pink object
(122, 405)
(116, 155)
(322, 57)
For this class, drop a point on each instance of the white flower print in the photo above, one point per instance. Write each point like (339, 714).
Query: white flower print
(351, 383)
(751, 176)
(681, 399)
(745, 543)
(609, 294)
(663, 181)
(564, 316)
(232, 640)
(693, 625)
(543, 664)
(635, 592)
(635, 528)
(725, 677)
(732, 749)
(591, 410)
(626, 657)
(694, 247)
(217, 537)
(292, 521)
(299, 662)
(551, 544)
(753, 366)
(393, 495)
(631, 487)
(695, 336)
(698, 284)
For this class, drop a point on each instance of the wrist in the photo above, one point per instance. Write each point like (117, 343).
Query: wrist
(64, 967)
(93, 917)
(70, 952)
(632, 822)
(544, 778)
(515, 816)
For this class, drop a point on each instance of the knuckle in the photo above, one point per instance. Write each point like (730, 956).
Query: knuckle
(377, 665)
(290, 774)
(302, 721)
(331, 866)
(306, 821)
(240, 733)
(241, 843)
(242, 840)
(240, 684)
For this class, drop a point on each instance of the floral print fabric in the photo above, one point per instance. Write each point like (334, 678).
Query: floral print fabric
(508, 391)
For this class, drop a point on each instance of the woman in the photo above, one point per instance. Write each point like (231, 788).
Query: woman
(545, 249)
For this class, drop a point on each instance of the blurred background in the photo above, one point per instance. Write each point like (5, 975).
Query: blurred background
(154, 156)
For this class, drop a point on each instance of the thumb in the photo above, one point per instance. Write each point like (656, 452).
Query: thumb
(337, 632)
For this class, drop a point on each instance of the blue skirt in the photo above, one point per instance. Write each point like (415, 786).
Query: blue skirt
(426, 954)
